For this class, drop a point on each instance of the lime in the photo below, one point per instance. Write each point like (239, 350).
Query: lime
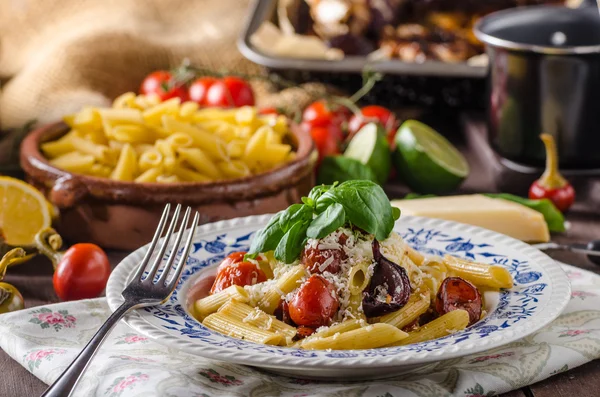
(427, 161)
(370, 147)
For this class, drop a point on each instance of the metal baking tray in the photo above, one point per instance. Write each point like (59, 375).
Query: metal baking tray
(427, 83)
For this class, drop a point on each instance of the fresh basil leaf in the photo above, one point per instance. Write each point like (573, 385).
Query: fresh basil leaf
(290, 246)
(317, 191)
(308, 201)
(366, 206)
(293, 214)
(341, 169)
(396, 213)
(267, 238)
(553, 217)
(327, 221)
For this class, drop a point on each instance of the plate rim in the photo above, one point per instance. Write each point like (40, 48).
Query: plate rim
(558, 300)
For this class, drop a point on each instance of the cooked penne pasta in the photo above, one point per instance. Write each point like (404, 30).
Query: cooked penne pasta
(285, 284)
(355, 306)
(369, 337)
(446, 324)
(414, 255)
(478, 273)
(256, 317)
(205, 306)
(434, 273)
(359, 277)
(238, 329)
(342, 327)
(417, 304)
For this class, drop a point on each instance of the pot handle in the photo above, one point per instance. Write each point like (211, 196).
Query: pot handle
(67, 192)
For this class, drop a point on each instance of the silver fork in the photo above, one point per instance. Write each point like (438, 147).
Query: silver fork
(141, 292)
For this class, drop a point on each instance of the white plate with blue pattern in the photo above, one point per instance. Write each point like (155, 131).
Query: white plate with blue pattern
(540, 293)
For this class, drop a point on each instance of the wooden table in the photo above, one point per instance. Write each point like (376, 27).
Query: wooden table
(34, 280)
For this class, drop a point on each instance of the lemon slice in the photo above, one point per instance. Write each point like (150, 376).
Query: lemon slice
(23, 211)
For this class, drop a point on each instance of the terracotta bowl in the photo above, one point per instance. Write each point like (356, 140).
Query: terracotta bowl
(123, 215)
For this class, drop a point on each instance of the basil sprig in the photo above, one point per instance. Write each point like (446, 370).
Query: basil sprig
(359, 202)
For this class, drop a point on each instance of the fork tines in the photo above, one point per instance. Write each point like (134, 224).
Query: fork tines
(175, 245)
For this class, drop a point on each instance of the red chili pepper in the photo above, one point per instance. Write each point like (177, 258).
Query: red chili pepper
(552, 185)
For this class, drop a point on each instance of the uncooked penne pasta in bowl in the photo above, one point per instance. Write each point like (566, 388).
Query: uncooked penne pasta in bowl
(111, 170)
(186, 143)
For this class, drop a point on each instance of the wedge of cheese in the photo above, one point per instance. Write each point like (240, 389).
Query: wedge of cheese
(502, 216)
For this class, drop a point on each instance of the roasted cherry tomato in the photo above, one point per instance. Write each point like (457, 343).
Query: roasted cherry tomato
(324, 114)
(315, 303)
(282, 312)
(314, 258)
(230, 92)
(81, 273)
(234, 257)
(374, 114)
(241, 273)
(457, 293)
(302, 332)
(164, 85)
(199, 88)
(552, 185)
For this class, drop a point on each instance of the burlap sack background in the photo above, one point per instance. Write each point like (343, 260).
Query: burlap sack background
(59, 55)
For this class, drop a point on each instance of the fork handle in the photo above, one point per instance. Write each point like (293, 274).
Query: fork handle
(64, 385)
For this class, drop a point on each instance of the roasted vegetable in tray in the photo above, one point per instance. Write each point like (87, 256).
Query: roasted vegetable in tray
(410, 30)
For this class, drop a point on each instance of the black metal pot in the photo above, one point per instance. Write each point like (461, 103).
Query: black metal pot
(544, 76)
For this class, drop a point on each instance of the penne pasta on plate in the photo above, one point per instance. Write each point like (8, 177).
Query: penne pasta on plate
(321, 276)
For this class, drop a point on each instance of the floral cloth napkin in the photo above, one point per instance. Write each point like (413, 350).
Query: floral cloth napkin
(45, 340)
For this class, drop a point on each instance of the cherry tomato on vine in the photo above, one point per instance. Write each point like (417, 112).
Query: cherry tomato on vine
(327, 140)
(164, 85)
(377, 114)
(81, 273)
(199, 88)
(230, 92)
(324, 114)
(315, 303)
(241, 273)
(268, 111)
